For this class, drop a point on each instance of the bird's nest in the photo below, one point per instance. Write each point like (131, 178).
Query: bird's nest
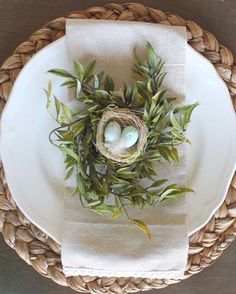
(124, 117)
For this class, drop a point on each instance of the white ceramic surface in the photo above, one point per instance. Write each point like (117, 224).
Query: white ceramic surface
(35, 169)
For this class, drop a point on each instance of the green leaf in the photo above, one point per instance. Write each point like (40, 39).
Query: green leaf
(129, 175)
(145, 113)
(157, 115)
(66, 112)
(149, 85)
(81, 186)
(177, 135)
(88, 72)
(107, 208)
(100, 76)
(61, 73)
(96, 82)
(88, 138)
(94, 203)
(153, 155)
(94, 177)
(48, 93)
(185, 190)
(102, 94)
(174, 122)
(79, 70)
(141, 225)
(67, 151)
(127, 93)
(117, 99)
(173, 192)
(108, 84)
(174, 154)
(134, 94)
(159, 67)
(57, 106)
(165, 153)
(49, 90)
(69, 173)
(69, 84)
(161, 78)
(78, 128)
(154, 100)
(151, 56)
(167, 193)
(142, 90)
(188, 109)
(78, 88)
(158, 183)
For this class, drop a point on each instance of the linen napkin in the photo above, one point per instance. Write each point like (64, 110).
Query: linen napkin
(91, 244)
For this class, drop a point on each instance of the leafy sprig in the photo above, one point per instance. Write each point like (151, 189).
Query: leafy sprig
(98, 178)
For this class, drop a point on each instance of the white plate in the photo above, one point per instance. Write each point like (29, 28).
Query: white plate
(35, 169)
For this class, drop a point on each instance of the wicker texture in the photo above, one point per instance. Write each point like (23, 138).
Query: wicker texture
(40, 251)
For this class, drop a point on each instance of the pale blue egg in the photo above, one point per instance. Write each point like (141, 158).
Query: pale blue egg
(129, 136)
(112, 132)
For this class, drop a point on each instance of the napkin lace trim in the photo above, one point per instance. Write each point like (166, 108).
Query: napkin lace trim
(173, 274)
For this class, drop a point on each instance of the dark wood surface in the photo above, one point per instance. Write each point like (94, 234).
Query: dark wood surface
(18, 19)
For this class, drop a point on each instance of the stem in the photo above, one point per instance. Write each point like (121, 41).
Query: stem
(123, 207)
(59, 128)
(81, 201)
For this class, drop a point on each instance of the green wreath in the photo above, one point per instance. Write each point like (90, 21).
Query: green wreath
(103, 184)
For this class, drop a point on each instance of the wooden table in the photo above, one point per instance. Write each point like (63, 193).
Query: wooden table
(18, 19)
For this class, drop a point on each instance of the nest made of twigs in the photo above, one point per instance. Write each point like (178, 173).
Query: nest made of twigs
(125, 117)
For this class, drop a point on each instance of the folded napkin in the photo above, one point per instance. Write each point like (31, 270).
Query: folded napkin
(91, 244)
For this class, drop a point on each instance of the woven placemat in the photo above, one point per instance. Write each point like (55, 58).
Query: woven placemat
(40, 251)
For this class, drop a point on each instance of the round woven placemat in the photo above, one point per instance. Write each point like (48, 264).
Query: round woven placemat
(40, 251)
